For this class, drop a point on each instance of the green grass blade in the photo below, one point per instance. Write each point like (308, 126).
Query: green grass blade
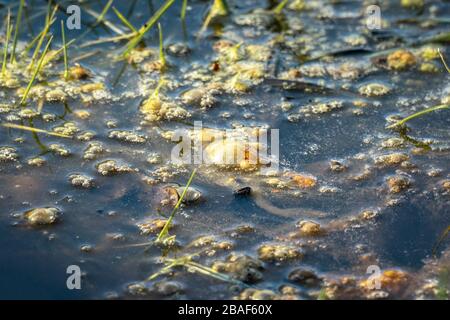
(103, 13)
(183, 10)
(124, 20)
(418, 114)
(443, 61)
(280, 7)
(34, 130)
(219, 8)
(144, 29)
(165, 230)
(48, 22)
(36, 71)
(66, 63)
(5, 48)
(16, 32)
(440, 240)
(162, 56)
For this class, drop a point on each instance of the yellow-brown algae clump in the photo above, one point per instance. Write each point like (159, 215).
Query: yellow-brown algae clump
(41, 216)
(79, 180)
(390, 280)
(374, 90)
(67, 129)
(242, 267)
(303, 181)
(235, 153)
(152, 226)
(155, 109)
(202, 241)
(414, 4)
(391, 159)
(278, 252)
(36, 162)
(428, 67)
(305, 277)
(309, 228)
(256, 294)
(127, 136)
(93, 150)
(398, 183)
(446, 185)
(59, 150)
(110, 167)
(91, 87)
(400, 60)
(77, 72)
(82, 114)
(56, 95)
(8, 154)
(429, 53)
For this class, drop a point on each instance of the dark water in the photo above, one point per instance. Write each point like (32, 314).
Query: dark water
(33, 261)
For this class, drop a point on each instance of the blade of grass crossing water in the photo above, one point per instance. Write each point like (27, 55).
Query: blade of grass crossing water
(48, 22)
(165, 229)
(183, 10)
(418, 114)
(443, 61)
(35, 130)
(146, 27)
(66, 63)
(104, 11)
(280, 7)
(5, 48)
(36, 71)
(162, 56)
(124, 20)
(16, 32)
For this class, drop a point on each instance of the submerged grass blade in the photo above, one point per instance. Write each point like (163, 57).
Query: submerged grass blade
(102, 14)
(56, 53)
(219, 8)
(16, 32)
(197, 267)
(162, 56)
(5, 48)
(124, 20)
(183, 10)
(440, 240)
(66, 63)
(48, 22)
(36, 71)
(191, 266)
(418, 114)
(146, 27)
(164, 232)
(18, 126)
(280, 7)
(443, 61)
(30, 45)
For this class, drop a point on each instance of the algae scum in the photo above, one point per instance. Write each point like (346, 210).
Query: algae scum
(85, 150)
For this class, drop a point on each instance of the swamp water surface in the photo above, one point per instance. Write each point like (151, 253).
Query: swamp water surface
(352, 192)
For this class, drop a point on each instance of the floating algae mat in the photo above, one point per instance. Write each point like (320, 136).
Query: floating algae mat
(225, 149)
